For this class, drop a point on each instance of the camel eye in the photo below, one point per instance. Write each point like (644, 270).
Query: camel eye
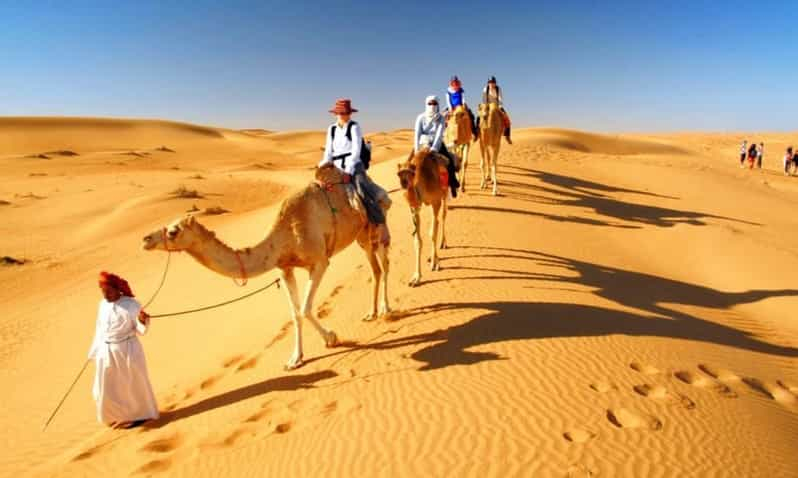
(172, 233)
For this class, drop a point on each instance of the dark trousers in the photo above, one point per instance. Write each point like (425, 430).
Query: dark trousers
(450, 168)
(366, 191)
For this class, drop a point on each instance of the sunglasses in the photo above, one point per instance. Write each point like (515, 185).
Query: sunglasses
(433, 103)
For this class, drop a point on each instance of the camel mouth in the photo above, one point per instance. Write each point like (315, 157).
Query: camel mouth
(147, 244)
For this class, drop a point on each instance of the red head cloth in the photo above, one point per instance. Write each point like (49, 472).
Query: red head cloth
(116, 282)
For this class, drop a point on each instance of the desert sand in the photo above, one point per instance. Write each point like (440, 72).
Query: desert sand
(626, 307)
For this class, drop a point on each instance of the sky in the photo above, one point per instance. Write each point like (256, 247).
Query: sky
(601, 66)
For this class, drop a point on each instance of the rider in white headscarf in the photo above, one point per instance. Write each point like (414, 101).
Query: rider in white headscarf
(429, 134)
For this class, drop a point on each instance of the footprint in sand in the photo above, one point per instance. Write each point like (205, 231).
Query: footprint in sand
(658, 393)
(578, 435)
(284, 427)
(235, 436)
(162, 445)
(209, 382)
(154, 466)
(257, 416)
(232, 361)
(772, 390)
(702, 381)
(725, 376)
(626, 418)
(329, 408)
(644, 368)
(248, 364)
(280, 335)
(603, 387)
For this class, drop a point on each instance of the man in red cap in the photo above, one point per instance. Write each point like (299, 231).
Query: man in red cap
(122, 387)
(343, 149)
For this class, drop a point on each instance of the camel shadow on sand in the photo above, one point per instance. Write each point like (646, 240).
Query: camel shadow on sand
(285, 383)
(560, 190)
(646, 293)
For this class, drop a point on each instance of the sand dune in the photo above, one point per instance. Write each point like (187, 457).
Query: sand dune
(625, 308)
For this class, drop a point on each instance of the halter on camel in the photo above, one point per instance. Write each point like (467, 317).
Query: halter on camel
(244, 279)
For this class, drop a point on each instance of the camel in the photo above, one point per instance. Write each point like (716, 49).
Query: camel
(458, 137)
(313, 225)
(424, 179)
(490, 135)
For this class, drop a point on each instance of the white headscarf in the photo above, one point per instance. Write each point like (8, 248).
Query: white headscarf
(432, 112)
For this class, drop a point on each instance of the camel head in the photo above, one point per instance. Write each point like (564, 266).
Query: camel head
(177, 236)
(407, 171)
(485, 110)
(458, 119)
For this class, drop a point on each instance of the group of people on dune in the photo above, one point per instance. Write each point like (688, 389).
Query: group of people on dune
(122, 388)
(754, 153)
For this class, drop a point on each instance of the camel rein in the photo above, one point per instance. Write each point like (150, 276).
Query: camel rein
(216, 306)
(325, 188)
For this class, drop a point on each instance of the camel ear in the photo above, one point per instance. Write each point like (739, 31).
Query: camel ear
(190, 219)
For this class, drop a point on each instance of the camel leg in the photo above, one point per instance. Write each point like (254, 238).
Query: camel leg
(316, 274)
(416, 279)
(444, 207)
(376, 274)
(482, 165)
(494, 166)
(382, 254)
(436, 207)
(463, 168)
(293, 300)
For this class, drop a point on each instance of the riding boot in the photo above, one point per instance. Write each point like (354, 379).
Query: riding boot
(507, 135)
(450, 168)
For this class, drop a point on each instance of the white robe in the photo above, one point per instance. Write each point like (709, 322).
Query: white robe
(122, 387)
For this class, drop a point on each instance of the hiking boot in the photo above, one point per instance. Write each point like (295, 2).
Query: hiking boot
(507, 137)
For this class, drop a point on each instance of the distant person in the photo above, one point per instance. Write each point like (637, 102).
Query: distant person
(492, 93)
(788, 161)
(344, 149)
(455, 97)
(429, 134)
(760, 151)
(751, 155)
(122, 387)
(743, 151)
(795, 162)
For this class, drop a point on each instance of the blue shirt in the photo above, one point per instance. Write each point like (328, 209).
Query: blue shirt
(455, 99)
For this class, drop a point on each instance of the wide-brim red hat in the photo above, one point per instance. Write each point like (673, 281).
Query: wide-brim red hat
(343, 106)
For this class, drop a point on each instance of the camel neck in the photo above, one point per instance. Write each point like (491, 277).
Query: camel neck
(223, 259)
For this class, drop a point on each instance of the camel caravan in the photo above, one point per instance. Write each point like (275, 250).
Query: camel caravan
(343, 205)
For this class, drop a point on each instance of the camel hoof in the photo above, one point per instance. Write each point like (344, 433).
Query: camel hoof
(444, 246)
(436, 267)
(369, 317)
(414, 282)
(294, 364)
(331, 340)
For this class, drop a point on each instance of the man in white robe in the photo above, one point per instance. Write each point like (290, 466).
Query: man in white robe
(122, 387)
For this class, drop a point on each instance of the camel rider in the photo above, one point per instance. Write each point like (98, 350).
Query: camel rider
(455, 96)
(343, 149)
(429, 134)
(492, 93)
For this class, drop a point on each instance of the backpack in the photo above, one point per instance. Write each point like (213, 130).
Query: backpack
(365, 148)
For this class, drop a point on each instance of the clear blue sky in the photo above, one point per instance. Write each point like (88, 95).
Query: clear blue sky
(605, 66)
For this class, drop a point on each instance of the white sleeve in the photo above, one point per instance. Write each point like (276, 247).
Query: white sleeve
(436, 142)
(354, 159)
(500, 96)
(95, 344)
(417, 135)
(132, 309)
(326, 158)
(449, 100)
